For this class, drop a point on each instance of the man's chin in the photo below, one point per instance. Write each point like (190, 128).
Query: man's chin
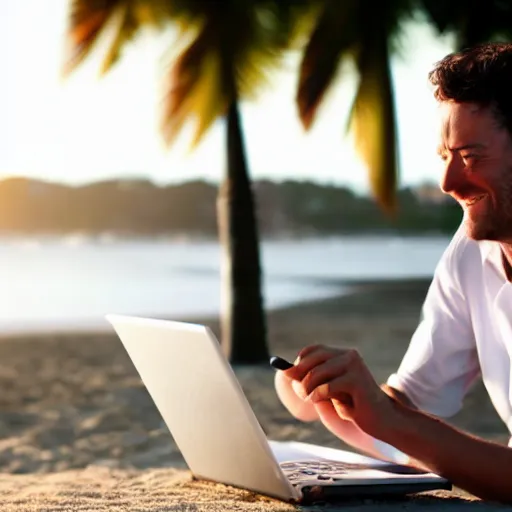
(478, 230)
(486, 231)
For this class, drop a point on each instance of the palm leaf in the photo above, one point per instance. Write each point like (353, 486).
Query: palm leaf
(373, 124)
(332, 38)
(126, 29)
(193, 88)
(441, 14)
(86, 20)
(232, 48)
(230, 56)
(155, 13)
(470, 23)
(369, 32)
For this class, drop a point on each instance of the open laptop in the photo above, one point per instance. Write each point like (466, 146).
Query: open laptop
(203, 405)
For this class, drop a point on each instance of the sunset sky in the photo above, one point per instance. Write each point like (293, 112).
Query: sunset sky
(88, 129)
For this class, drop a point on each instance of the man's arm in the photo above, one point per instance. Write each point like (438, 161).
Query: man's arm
(397, 396)
(481, 467)
(341, 377)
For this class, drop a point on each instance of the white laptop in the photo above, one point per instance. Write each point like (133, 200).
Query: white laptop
(201, 401)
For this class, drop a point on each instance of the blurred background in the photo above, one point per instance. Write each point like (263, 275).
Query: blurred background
(97, 214)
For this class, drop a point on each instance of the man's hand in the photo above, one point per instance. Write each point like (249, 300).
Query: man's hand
(341, 376)
(291, 394)
(292, 400)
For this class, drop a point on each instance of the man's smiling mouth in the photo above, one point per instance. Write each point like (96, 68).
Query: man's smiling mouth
(471, 201)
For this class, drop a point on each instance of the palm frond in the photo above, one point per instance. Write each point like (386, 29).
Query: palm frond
(372, 122)
(253, 42)
(193, 89)
(231, 55)
(152, 13)
(475, 25)
(86, 20)
(231, 48)
(286, 21)
(126, 29)
(469, 22)
(191, 13)
(332, 38)
(443, 15)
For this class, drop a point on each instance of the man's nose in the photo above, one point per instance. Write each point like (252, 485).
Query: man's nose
(451, 176)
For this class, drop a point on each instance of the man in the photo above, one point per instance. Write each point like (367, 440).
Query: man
(466, 328)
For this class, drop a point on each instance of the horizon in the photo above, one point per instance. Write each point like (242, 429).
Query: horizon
(81, 124)
(199, 179)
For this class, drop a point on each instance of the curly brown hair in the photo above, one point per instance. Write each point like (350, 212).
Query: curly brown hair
(482, 75)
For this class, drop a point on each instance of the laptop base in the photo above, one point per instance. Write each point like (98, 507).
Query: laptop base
(316, 494)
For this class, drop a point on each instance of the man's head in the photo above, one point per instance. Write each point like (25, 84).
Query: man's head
(474, 88)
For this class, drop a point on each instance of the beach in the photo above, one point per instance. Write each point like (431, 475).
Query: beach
(78, 431)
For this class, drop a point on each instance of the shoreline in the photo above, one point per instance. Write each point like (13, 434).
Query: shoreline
(99, 326)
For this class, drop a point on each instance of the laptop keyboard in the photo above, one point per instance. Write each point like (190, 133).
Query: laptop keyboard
(299, 471)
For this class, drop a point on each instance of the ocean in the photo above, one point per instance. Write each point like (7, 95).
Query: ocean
(72, 282)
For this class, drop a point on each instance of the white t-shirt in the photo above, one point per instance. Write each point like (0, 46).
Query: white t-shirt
(465, 331)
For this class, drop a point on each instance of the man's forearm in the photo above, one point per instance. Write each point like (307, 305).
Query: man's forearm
(480, 467)
(397, 396)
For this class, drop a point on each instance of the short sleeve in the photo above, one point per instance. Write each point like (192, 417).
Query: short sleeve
(441, 362)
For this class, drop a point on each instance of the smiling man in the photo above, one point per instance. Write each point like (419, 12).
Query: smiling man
(466, 326)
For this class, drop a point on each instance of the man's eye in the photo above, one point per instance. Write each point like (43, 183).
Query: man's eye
(470, 157)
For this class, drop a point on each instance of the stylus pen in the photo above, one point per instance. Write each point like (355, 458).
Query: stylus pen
(279, 363)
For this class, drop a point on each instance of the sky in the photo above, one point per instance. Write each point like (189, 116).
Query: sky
(85, 128)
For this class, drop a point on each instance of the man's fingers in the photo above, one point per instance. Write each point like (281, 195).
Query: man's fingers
(315, 356)
(344, 408)
(298, 389)
(323, 373)
(306, 351)
(339, 388)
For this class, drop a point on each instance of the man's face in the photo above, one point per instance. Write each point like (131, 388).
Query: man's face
(477, 156)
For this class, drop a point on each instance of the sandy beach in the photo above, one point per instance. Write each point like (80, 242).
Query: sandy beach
(78, 430)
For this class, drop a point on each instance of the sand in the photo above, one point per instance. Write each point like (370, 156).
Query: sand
(78, 430)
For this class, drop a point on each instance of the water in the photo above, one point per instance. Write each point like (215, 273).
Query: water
(73, 282)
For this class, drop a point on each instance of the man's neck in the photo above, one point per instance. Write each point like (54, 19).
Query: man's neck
(506, 258)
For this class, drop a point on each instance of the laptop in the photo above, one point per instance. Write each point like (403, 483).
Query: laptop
(202, 403)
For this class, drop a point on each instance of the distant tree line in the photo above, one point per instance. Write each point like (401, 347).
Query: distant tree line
(138, 207)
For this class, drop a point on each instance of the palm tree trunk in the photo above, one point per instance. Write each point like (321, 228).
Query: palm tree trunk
(242, 312)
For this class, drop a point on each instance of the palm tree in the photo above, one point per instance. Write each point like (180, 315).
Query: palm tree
(365, 32)
(471, 21)
(230, 46)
